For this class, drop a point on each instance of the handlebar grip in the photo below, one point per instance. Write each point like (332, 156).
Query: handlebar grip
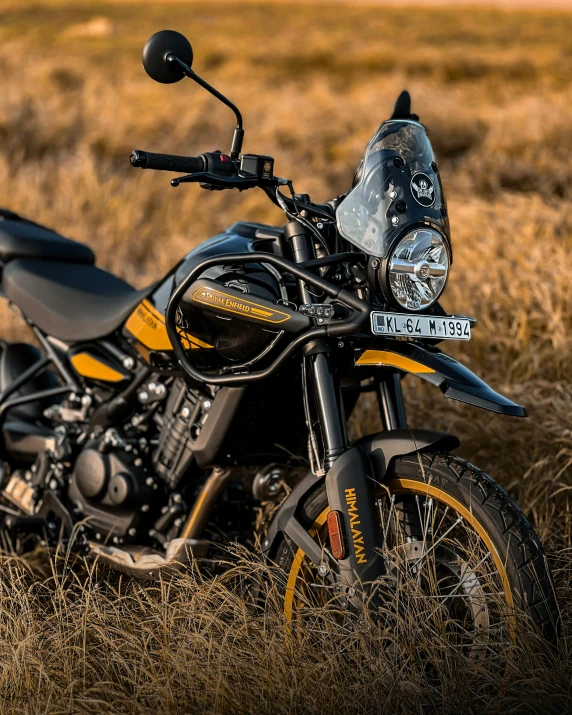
(167, 162)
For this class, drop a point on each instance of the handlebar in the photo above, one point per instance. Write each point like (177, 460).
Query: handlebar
(215, 170)
(168, 162)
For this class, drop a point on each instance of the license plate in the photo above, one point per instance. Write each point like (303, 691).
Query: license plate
(420, 326)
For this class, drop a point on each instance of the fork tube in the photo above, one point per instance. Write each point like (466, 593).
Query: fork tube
(390, 398)
(332, 421)
(303, 250)
(328, 402)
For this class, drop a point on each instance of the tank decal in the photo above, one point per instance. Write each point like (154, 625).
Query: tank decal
(95, 368)
(231, 304)
(147, 325)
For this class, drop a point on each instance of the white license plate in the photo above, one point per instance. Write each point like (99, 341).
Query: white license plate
(420, 326)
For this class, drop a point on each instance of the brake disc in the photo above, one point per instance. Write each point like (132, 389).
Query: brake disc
(412, 557)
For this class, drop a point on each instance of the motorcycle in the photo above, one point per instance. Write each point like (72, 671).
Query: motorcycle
(151, 424)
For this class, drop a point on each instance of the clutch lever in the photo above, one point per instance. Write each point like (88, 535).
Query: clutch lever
(215, 181)
(222, 182)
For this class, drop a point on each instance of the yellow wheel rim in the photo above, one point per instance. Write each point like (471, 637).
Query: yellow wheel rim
(397, 486)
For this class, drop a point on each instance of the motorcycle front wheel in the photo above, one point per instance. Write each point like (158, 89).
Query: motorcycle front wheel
(452, 541)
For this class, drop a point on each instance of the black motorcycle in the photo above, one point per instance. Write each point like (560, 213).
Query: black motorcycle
(153, 423)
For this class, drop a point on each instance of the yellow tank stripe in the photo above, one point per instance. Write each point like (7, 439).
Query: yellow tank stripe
(147, 325)
(89, 366)
(195, 341)
(389, 359)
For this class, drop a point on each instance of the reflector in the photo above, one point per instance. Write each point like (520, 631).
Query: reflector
(337, 540)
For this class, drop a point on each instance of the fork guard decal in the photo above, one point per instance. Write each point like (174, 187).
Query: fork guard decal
(350, 485)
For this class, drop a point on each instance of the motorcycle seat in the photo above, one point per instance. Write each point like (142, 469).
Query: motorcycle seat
(70, 301)
(20, 238)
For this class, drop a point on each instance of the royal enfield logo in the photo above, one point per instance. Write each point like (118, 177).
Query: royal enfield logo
(232, 304)
(423, 189)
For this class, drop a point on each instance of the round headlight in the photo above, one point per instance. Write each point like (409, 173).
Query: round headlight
(417, 269)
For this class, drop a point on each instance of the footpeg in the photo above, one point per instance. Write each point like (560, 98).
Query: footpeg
(20, 493)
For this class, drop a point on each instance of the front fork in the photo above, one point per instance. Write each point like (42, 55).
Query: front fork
(350, 481)
(390, 399)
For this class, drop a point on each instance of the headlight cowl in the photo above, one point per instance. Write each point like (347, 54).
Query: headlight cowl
(415, 272)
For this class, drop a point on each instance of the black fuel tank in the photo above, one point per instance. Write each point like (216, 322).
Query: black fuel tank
(217, 334)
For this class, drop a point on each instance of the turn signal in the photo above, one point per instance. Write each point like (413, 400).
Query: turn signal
(336, 531)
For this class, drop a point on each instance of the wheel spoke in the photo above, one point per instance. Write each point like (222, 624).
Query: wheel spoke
(386, 529)
(434, 546)
(438, 572)
(464, 580)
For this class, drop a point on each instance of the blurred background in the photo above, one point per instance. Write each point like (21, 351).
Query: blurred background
(314, 80)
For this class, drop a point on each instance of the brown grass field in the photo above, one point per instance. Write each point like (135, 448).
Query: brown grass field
(313, 80)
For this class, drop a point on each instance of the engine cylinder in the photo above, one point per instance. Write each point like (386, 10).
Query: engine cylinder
(174, 455)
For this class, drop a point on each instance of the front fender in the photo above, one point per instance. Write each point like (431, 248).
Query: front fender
(360, 467)
(288, 520)
(454, 379)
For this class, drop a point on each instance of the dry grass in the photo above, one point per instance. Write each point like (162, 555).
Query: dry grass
(86, 641)
(313, 83)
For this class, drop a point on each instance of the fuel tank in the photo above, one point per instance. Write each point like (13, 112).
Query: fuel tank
(215, 336)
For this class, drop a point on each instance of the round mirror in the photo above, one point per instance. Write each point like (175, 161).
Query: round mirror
(158, 48)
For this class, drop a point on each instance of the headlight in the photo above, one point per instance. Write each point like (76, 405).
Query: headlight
(416, 270)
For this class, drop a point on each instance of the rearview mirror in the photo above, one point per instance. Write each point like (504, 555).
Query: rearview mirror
(157, 50)
(167, 58)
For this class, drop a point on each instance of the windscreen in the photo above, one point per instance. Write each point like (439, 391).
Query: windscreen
(398, 187)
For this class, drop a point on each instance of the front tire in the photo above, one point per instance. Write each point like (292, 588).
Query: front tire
(445, 516)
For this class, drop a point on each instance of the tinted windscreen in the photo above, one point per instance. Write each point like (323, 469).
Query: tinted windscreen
(398, 186)
(409, 140)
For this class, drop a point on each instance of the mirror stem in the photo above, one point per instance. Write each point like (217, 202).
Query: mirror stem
(239, 131)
